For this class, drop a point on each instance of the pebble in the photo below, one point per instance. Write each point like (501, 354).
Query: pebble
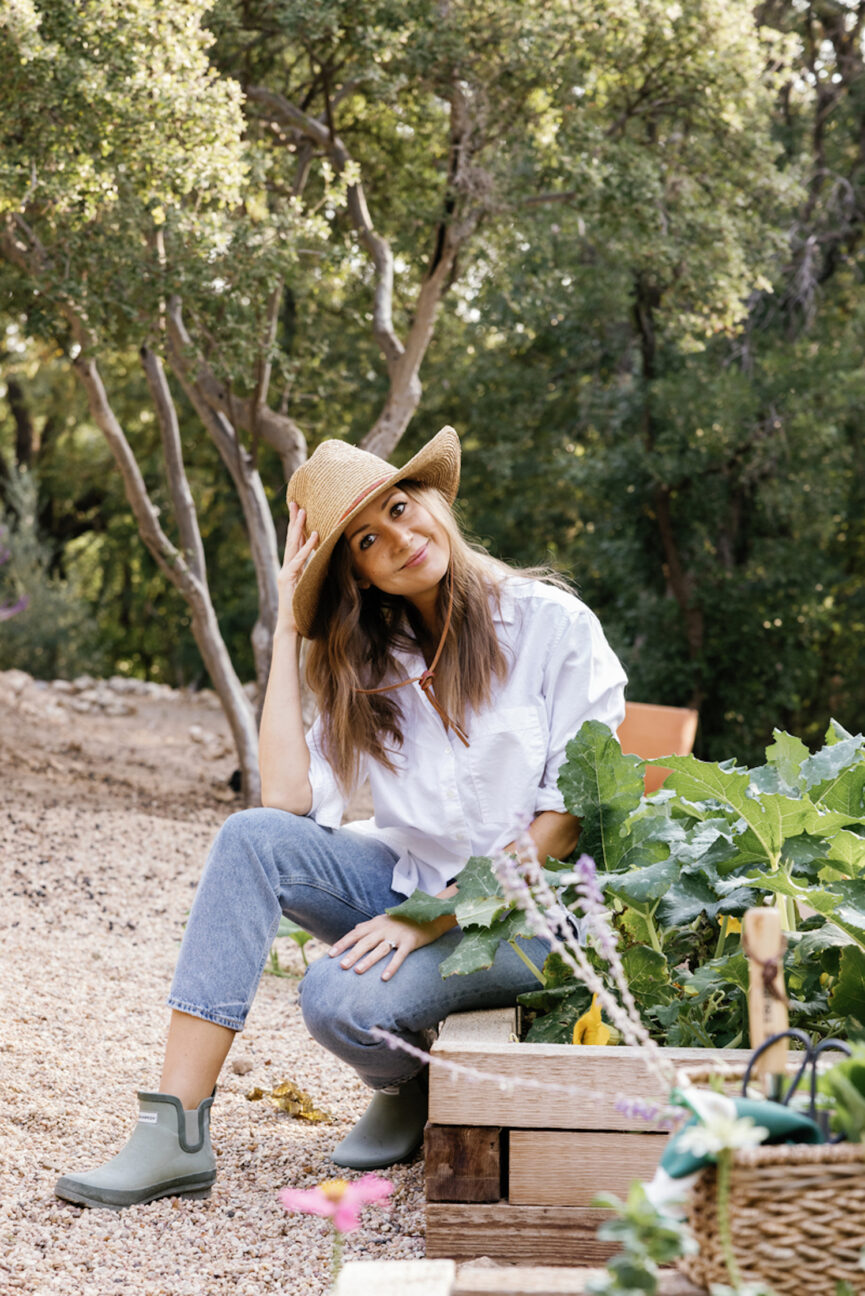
(96, 889)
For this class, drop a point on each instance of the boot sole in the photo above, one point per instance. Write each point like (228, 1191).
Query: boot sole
(193, 1186)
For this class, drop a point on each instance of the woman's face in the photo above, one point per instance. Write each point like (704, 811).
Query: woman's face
(397, 545)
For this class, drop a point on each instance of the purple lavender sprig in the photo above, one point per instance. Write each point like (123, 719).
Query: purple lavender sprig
(523, 881)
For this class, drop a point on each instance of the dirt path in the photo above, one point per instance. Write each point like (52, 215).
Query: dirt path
(108, 802)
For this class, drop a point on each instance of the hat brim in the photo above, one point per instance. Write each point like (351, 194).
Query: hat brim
(436, 464)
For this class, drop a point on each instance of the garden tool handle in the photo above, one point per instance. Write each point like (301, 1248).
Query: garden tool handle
(763, 942)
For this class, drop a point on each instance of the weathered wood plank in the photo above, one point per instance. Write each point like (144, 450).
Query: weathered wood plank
(559, 1235)
(487, 1026)
(567, 1167)
(544, 1280)
(396, 1278)
(462, 1163)
(472, 1280)
(594, 1078)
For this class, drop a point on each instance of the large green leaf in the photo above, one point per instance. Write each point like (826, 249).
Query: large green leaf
(511, 925)
(848, 997)
(847, 851)
(479, 897)
(601, 786)
(421, 908)
(643, 887)
(556, 1026)
(836, 733)
(843, 903)
(693, 894)
(809, 945)
(475, 952)
(770, 818)
(786, 755)
(838, 785)
(648, 974)
(732, 969)
(701, 780)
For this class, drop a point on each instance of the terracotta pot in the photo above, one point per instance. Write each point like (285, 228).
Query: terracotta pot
(649, 731)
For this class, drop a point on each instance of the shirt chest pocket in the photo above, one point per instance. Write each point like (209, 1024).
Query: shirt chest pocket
(507, 758)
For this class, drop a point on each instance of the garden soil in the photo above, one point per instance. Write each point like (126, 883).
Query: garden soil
(109, 799)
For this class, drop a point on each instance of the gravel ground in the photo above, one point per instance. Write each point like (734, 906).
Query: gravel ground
(108, 802)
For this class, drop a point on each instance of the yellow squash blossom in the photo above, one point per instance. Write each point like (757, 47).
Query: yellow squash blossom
(733, 924)
(589, 1029)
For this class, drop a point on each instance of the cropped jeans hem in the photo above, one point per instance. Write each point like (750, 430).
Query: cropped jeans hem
(206, 1014)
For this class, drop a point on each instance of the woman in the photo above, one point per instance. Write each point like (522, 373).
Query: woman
(453, 683)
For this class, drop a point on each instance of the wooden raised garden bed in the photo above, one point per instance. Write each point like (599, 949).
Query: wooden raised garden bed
(511, 1171)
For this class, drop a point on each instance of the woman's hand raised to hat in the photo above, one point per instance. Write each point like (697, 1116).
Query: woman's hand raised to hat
(297, 553)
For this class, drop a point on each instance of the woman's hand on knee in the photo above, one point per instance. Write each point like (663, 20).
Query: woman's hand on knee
(380, 937)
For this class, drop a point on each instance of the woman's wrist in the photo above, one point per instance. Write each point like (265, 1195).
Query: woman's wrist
(287, 634)
(442, 924)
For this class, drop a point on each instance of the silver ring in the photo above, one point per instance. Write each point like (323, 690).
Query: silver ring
(390, 944)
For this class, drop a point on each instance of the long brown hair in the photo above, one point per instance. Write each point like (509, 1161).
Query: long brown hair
(356, 633)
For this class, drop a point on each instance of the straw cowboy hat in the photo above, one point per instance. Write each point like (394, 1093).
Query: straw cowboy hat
(338, 481)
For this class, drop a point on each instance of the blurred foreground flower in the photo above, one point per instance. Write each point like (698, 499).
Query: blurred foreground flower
(590, 1029)
(340, 1201)
(720, 1129)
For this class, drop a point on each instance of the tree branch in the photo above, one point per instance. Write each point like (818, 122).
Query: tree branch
(278, 430)
(256, 510)
(178, 484)
(194, 589)
(378, 249)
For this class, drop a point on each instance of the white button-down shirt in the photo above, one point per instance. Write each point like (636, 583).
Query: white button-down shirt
(444, 802)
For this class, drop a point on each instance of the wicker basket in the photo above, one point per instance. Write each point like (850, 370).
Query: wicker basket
(796, 1216)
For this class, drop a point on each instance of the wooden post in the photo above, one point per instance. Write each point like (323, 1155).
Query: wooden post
(463, 1163)
(763, 942)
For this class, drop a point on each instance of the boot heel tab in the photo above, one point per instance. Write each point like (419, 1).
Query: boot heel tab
(169, 1099)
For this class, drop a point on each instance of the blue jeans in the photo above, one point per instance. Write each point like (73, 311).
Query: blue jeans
(265, 863)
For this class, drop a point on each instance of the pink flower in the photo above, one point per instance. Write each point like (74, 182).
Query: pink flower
(338, 1199)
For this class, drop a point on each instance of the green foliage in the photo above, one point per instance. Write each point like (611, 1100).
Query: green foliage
(676, 867)
(648, 1239)
(844, 1085)
(290, 930)
(53, 635)
(732, 837)
(485, 917)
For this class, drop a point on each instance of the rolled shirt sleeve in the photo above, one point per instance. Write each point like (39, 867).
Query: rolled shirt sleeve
(583, 680)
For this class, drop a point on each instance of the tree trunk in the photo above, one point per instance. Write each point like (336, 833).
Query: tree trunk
(680, 580)
(192, 585)
(244, 474)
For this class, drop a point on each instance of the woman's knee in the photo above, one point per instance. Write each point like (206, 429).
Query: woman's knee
(249, 827)
(335, 1004)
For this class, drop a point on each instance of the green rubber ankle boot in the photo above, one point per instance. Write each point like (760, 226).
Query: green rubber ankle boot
(168, 1155)
(390, 1129)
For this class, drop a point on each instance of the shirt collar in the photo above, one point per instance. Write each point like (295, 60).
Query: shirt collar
(504, 610)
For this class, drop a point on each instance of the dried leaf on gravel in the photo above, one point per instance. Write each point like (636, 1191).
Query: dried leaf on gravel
(287, 1097)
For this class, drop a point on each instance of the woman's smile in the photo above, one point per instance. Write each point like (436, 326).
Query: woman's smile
(418, 557)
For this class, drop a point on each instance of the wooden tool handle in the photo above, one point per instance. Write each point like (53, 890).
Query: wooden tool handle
(763, 942)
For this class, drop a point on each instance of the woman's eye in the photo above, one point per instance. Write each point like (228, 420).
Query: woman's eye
(365, 541)
(398, 509)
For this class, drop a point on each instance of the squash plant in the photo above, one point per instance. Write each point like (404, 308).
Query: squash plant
(678, 870)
